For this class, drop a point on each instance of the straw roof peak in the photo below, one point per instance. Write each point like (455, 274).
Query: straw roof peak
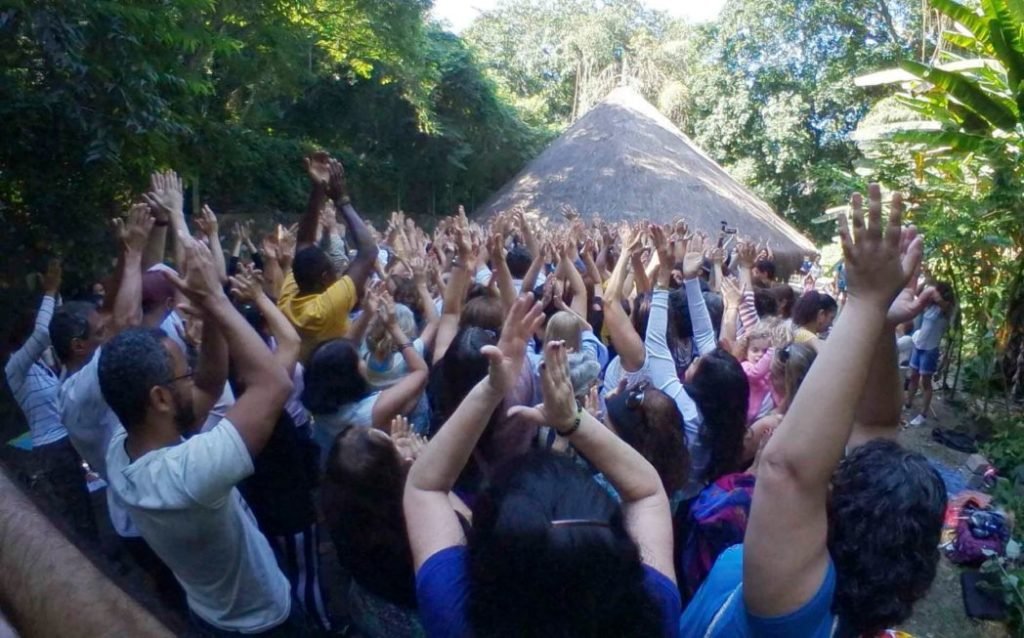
(624, 160)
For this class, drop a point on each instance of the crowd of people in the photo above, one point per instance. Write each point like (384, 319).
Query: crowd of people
(510, 428)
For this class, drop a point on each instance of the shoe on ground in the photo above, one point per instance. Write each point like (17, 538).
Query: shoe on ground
(917, 421)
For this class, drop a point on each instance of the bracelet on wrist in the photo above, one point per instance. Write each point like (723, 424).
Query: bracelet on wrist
(575, 425)
(407, 344)
(161, 223)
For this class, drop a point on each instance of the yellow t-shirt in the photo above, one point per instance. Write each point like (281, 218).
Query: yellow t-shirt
(803, 335)
(318, 317)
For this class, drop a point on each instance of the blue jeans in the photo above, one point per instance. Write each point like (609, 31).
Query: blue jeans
(925, 361)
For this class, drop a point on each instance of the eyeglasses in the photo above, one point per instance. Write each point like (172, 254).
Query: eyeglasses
(187, 375)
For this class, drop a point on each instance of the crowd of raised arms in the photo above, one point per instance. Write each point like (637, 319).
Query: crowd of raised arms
(506, 428)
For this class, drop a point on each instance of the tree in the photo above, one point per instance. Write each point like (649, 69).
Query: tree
(954, 135)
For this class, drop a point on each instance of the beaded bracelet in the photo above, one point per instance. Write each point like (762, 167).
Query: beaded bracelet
(575, 425)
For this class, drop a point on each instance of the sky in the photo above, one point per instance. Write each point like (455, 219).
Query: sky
(460, 13)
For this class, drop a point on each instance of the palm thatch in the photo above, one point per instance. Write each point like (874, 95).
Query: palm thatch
(624, 160)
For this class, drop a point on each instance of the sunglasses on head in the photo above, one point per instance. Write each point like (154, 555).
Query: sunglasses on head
(785, 353)
(635, 396)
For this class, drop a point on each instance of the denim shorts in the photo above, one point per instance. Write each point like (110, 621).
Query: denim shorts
(925, 361)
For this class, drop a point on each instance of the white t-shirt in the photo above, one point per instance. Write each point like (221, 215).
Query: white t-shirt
(91, 424)
(933, 326)
(184, 501)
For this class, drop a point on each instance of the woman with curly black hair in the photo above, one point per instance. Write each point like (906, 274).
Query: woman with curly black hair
(836, 546)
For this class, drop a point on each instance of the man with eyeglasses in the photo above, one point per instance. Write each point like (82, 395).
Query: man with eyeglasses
(182, 493)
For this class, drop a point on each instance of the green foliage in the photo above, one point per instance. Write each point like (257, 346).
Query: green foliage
(957, 146)
(765, 89)
(95, 94)
(1005, 450)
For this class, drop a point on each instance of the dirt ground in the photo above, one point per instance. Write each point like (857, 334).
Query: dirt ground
(941, 613)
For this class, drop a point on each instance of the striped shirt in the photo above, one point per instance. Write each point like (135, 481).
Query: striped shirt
(34, 385)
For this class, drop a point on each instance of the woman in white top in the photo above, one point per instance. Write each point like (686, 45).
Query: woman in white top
(338, 393)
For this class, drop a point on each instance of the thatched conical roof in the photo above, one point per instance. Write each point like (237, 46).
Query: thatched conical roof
(624, 160)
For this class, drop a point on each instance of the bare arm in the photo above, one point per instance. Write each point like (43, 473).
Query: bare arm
(644, 503)
(431, 521)
(454, 295)
(878, 411)
(127, 309)
(207, 222)
(318, 168)
(402, 397)
(267, 384)
(530, 279)
(50, 589)
(625, 338)
(579, 290)
(506, 288)
(787, 533)
(211, 372)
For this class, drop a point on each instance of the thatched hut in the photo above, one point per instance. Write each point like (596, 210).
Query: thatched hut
(624, 160)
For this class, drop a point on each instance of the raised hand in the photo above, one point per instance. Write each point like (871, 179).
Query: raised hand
(875, 268)
(692, 263)
(133, 231)
(270, 247)
(191, 329)
(386, 311)
(318, 169)
(287, 239)
(207, 221)
(746, 254)
(166, 194)
(247, 286)
(908, 303)
(329, 219)
(52, 277)
(337, 188)
(717, 255)
(201, 282)
(408, 443)
(496, 248)
(559, 409)
(731, 293)
(506, 358)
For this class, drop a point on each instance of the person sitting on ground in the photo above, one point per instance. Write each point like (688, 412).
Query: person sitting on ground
(542, 521)
(924, 361)
(813, 315)
(314, 297)
(182, 494)
(854, 537)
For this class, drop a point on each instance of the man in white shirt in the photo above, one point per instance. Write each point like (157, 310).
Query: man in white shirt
(78, 331)
(182, 494)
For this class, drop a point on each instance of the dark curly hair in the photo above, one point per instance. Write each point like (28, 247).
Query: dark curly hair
(885, 517)
(721, 392)
(528, 578)
(129, 367)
